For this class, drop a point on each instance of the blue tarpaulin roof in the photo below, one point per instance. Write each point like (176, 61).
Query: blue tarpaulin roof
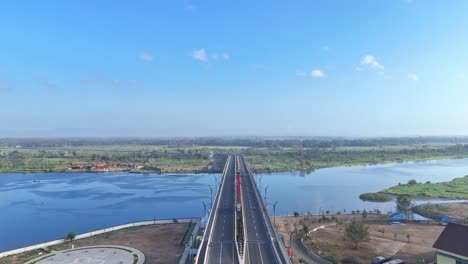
(444, 219)
(398, 216)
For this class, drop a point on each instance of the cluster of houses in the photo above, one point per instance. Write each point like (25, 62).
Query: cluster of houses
(104, 167)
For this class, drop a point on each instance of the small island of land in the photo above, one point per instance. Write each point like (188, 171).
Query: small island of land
(376, 197)
(456, 189)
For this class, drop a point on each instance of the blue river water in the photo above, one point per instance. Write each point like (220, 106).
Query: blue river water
(40, 207)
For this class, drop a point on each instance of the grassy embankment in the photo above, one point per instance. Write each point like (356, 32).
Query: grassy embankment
(197, 158)
(453, 210)
(285, 159)
(59, 159)
(454, 189)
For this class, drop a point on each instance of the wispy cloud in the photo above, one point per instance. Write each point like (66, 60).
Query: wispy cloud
(100, 81)
(145, 56)
(371, 62)
(326, 48)
(200, 55)
(189, 6)
(316, 73)
(301, 74)
(413, 77)
(46, 82)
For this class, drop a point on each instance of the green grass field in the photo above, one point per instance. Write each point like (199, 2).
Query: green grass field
(454, 189)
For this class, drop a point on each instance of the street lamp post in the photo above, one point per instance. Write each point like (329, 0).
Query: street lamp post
(204, 206)
(266, 188)
(290, 243)
(216, 180)
(211, 195)
(274, 214)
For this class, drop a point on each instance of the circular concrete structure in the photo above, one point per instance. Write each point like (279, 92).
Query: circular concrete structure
(93, 255)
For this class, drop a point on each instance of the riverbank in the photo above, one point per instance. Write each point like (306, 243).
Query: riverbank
(456, 189)
(196, 159)
(457, 211)
(141, 236)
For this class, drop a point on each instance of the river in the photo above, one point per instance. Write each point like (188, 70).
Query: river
(39, 207)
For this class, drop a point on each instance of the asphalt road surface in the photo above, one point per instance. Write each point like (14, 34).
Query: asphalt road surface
(221, 247)
(259, 248)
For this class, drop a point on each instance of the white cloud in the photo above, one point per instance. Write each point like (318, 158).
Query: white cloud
(413, 77)
(370, 61)
(326, 48)
(200, 55)
(317, 73)
(146, 56)
(314, 74)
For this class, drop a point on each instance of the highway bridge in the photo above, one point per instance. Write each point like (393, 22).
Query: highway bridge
(239, 229)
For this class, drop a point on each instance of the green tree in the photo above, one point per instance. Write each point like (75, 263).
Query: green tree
(364, 214)
(305, 228)
(404, 204)
(70, 236)
(412, 182)
(357, 232)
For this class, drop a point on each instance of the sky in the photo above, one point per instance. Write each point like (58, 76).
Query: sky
(233, 68)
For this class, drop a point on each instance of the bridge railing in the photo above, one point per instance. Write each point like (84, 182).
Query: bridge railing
(213, 215)
(241, 256)
(270, 229)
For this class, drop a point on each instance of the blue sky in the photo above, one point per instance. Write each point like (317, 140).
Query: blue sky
(233, 68)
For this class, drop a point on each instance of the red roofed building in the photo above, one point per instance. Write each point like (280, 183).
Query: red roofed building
(101, 165)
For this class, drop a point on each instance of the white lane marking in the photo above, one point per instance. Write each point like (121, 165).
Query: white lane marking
(221, 253)
(261, 257)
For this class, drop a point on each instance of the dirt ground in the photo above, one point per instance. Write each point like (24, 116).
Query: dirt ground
(159, 243)
(329, 241)
(284, 225)
(454, 210)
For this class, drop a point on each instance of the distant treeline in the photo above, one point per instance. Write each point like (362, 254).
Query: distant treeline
(319, 142)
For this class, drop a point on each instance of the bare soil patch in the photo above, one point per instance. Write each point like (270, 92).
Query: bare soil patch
(159, 243)
(330, 240)
(453, 210)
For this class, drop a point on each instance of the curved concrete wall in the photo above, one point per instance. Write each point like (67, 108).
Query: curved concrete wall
(93, 233)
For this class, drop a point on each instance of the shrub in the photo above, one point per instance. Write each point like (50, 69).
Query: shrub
(375, 197)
